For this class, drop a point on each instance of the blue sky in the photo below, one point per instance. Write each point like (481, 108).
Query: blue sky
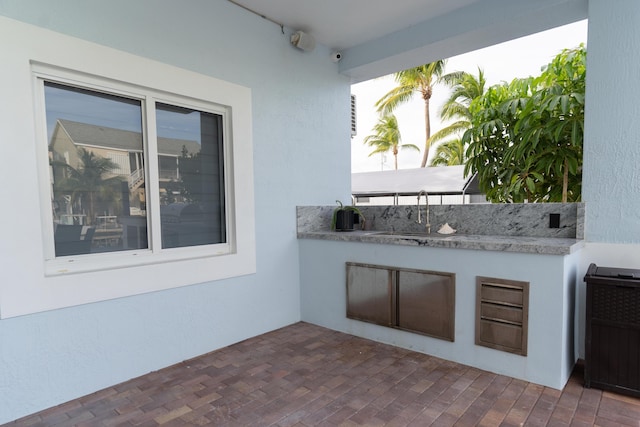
(115, 112)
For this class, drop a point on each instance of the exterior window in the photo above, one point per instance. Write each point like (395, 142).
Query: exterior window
(97, 179)
(191, 176)
(139, 175)
(101, 197)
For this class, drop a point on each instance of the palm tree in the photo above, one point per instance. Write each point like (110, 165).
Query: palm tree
(449, 153)
(89, 180)
(387, 137)
(465, 88)
(421, 80)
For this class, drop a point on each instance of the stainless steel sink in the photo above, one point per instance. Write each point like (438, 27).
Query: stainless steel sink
(402, 233)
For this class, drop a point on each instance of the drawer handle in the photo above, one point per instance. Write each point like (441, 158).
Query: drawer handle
(501, 303)
(503, 321)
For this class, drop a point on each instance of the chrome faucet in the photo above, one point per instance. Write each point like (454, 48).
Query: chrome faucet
(419, 221)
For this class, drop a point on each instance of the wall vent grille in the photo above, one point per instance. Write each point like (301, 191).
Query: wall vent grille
(354, 125)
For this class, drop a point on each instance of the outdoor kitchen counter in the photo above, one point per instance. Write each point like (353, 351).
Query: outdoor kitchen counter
(521, 244)
(507, 242)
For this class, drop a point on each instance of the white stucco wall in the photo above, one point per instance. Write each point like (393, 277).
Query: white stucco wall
(611, 174)
(300, 107)
(550, 343)
(301, 157)
(611, 179)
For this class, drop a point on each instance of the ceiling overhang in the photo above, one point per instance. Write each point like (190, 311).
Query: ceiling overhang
(379, 37)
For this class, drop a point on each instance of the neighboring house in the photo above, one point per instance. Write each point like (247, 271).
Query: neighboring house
(125, 149)
(65, 334)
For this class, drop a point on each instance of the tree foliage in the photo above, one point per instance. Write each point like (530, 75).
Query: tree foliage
(526, 138)
(89, 183)
(190, 183)
(465, 87)
(450, 153)
(414, 80)
(386, 137)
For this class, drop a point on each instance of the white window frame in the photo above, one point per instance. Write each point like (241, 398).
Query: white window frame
(34, 283)
(148, 98)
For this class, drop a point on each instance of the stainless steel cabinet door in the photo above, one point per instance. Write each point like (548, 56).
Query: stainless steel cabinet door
(426, 302)
(414, 300)
(370, 294)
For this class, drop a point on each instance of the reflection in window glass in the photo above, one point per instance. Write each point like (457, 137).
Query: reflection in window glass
(97, 171)
(190, 161)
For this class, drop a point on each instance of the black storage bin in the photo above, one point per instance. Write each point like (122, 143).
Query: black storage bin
(612, 339)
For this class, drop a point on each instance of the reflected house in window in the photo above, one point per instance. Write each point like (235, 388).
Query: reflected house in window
(125, 208)
(123, 148)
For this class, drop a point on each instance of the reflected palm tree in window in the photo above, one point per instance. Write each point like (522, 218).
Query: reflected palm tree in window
(92, 185)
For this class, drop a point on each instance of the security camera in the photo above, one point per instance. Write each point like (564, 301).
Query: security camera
(336, 56)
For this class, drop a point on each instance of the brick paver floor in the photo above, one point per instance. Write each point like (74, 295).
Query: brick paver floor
(306, 375)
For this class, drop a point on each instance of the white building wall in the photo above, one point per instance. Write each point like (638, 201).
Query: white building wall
(301, 157)
(550, 355)
(611, 178)
(300, 108)
(611, 171)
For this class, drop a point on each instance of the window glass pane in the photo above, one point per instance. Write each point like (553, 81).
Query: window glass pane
(190, 160)
(97, 174)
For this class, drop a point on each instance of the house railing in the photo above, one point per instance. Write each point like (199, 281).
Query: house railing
(136, 179)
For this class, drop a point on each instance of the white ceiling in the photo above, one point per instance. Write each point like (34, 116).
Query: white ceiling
(341, 24)
(378, 37)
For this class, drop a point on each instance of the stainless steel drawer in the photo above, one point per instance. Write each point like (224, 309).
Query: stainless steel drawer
(501, 335)
(503, 295)
(502, 312)
(490, 311)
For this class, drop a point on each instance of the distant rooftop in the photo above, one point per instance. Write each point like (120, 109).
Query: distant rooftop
(440, 180)
(118, 139)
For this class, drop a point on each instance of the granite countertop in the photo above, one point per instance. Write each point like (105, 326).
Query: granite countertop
(522, 244)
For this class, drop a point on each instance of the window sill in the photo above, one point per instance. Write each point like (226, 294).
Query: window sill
(127, 259)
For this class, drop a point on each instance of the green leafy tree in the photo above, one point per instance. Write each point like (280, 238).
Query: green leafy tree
(526, 138)
(491, 135)
(89, 183)
(386, 137)
(414, 80)
(554, 115)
